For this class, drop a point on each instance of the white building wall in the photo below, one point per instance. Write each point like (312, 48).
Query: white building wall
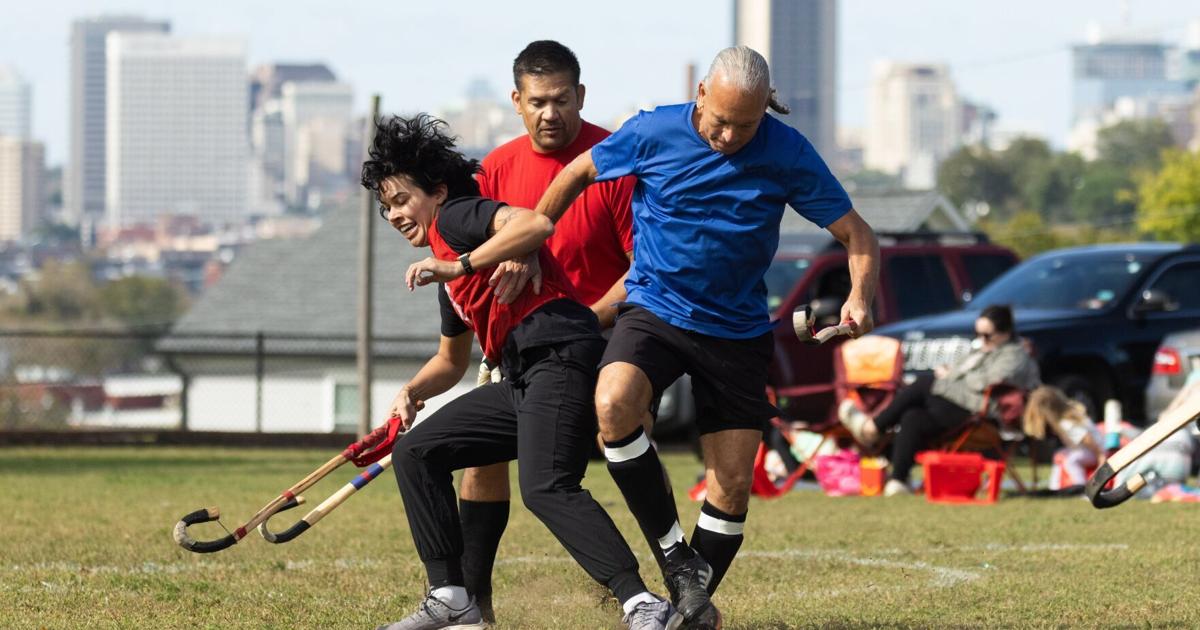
(22, 187)
(914, 121)
(298, 395)
(177, 141)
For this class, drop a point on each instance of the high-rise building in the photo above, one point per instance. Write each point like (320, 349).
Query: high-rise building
(177, 120)
(83, 192)
(14, 104)
(1105, 70)
(266, 80)
(914, 121)
(22, 187)
(798, 38)
(316, 117)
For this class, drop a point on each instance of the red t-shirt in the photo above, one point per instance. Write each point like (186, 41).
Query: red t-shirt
(591, 238)
(460, 227)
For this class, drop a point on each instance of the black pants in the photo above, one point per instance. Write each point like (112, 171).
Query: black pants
(922, 416)
(544, 417)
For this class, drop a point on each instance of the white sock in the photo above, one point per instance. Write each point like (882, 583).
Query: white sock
(645, 597)
(453, 596)
(673, 537)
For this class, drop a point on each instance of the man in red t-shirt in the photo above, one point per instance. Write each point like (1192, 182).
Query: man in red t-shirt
(593, 244)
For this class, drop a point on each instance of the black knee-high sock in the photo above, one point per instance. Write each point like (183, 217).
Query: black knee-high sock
(659, 557)
(635, 467)
(483, 524)
(717, 537)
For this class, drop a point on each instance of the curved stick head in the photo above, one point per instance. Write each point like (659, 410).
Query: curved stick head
(802, 323)
(201, 546)
(1101, 498)
(287, 534)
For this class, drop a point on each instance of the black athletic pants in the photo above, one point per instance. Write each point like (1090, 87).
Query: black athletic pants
(922, 417)
(544, 417)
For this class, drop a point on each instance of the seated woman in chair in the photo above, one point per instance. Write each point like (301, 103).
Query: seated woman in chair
(935, 404)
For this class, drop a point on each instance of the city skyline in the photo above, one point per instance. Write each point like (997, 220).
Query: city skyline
(1025, 79)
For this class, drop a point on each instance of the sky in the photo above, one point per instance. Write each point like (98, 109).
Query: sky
(419, 55)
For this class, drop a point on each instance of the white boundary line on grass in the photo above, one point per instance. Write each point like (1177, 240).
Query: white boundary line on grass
(943, 576)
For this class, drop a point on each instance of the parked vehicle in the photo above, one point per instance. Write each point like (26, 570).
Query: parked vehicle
(1175, 361)
(1093, 315)
(920, 274)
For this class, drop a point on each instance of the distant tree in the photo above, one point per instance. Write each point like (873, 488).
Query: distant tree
(976, 174)
(60, 292)
(51, 232)
(1168, 205)
(1105, 193)
(142, 302)
(869, 180)
(1026, 233)
(1134, 144)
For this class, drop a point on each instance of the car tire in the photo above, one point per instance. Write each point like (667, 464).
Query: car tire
(1091, 392)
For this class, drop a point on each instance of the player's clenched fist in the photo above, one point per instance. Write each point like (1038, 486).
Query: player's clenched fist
(405, 407)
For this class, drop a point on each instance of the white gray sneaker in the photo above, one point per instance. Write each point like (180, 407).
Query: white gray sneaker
(853, 419)
(896, 488)
(649, 616)
(434, 614)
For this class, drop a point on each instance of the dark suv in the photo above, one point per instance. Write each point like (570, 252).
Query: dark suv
(1094, 316)
(920, 274)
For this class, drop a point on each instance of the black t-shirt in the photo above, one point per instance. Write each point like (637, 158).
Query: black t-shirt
(464, 223)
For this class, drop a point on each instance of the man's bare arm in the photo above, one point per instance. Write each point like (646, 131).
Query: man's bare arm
(567, 186)
(863, 251)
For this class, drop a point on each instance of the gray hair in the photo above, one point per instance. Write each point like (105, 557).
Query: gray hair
(746, 69)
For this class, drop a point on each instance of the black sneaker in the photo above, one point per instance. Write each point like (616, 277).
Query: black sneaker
(687, 580)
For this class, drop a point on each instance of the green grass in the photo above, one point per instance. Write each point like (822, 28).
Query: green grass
(85, 541)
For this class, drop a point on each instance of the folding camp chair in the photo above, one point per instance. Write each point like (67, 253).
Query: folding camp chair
(867, 371)
(995, 432)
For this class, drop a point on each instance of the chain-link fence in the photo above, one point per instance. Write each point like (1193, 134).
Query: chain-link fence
(203, 382)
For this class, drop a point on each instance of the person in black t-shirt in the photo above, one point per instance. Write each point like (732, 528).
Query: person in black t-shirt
(547, 346)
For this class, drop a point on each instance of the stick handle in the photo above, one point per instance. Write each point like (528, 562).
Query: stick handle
(328, 505)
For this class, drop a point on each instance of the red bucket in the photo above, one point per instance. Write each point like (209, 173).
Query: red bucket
(958, 477)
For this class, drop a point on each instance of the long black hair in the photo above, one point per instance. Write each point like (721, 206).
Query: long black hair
(420, 149)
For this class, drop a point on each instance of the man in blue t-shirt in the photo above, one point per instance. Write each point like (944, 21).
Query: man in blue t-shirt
(714, 179)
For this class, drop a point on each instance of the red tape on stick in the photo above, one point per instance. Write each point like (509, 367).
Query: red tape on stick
(375, 445)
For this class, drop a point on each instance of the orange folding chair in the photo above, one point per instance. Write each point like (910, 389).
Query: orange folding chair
(867, 370)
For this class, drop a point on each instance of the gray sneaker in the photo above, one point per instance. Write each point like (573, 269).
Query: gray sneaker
(434, 614)
(649, 616)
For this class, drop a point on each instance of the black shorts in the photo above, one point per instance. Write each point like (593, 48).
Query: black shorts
(729, 376)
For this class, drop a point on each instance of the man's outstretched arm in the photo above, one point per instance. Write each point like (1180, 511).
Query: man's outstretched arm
(567, 186)
(863, 251)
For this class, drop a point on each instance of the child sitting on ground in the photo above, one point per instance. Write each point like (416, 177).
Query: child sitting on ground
(1049, 406)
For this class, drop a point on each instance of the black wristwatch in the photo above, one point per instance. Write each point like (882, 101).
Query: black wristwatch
(465, 259)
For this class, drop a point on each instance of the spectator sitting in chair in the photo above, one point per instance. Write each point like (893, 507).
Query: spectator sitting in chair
(933, 405)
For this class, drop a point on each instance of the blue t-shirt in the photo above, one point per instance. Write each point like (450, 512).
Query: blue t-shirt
(706, 225)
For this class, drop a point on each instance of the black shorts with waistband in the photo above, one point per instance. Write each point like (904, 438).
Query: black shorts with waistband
(729, 376)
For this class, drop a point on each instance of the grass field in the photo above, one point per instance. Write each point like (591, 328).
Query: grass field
(85, 542)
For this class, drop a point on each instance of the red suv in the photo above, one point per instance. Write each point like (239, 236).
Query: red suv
(920, 274)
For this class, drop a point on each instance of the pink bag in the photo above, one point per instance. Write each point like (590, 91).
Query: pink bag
(839, 474)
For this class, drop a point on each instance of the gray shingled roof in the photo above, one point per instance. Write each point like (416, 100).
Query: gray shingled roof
(308, 288)
(901, 211)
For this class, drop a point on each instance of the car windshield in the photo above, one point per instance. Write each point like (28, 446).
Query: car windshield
(1085, 282)
(781, 278)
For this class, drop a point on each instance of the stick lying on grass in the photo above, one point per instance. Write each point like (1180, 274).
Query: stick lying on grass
(375, 447)
(1182, 411)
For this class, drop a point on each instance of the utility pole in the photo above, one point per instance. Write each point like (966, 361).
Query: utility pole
(366, 266)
